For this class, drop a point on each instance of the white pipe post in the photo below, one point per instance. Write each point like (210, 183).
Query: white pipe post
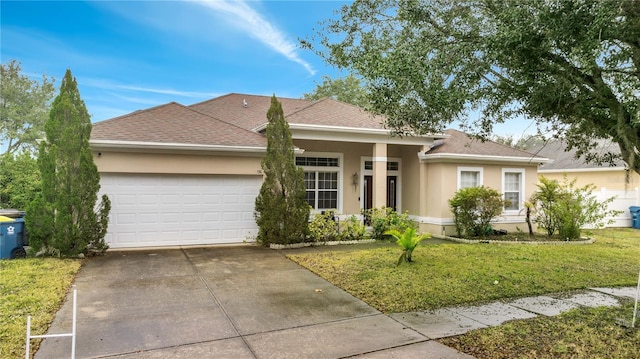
(26, 356)
(73, 325)
(635, 307)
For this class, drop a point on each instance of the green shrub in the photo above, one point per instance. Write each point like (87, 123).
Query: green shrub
(352, 229)
(323, 227)
(474, 208)
(385, 218)
(565, 209)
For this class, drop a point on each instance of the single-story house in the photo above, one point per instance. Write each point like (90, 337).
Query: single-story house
(609, 181)
(189, 175)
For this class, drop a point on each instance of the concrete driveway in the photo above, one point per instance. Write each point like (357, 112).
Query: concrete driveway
(223, 302)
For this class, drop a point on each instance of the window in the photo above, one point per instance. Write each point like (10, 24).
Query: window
(512, 187)
(391, 165)
(321, 181)
(469, 177)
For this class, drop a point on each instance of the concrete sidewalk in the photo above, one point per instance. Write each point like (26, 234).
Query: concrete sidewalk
(251, 302)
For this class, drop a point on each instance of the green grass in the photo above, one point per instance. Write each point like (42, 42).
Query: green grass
(449, 274)
(35, 287)
(579, 333)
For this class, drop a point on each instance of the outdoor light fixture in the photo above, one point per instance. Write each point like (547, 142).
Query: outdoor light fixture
(354, 180)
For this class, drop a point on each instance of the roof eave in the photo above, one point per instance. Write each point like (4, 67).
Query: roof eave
(358, 134)
(172, 147)
(446, 157)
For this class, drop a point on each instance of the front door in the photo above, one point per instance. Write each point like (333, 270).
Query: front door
(368, 192)
(392, 190)
(392, 182)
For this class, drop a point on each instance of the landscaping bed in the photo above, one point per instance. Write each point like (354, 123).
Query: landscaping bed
(517, 238)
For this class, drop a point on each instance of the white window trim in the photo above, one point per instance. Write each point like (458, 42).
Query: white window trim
(339, 169)
(521, 171)
(398, 174)
(480, 171)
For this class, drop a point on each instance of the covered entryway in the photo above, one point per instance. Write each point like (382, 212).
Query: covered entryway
(164, 210)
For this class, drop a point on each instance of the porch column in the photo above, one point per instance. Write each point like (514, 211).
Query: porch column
(379, 175)
(424, 171)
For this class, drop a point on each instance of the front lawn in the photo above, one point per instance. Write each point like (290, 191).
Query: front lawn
(579, 333)
(444, 275)
(36, 287)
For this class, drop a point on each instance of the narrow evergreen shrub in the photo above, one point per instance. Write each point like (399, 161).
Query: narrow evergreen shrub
(65, 218)
(281, 211)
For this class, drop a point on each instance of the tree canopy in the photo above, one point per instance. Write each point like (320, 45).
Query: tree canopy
(24, 106)
(572, 65)
(348, 89)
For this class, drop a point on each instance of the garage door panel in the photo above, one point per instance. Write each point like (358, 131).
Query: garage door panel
(156, 210)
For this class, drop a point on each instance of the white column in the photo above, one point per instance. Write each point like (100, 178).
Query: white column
(379, 175)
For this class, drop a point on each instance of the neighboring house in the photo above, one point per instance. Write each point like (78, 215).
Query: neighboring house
(610, 181)
(189, 175)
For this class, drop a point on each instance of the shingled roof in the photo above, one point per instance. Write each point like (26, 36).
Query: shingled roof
(566, 160)
(229, 120)
(174, 123)
(459, 143)
(330, 112)
(246, 111)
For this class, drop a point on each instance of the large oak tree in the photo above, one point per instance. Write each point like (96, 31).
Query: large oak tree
(572, 65)
(24, 106)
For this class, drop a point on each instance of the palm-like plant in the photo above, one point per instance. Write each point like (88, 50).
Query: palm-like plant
(408, 240)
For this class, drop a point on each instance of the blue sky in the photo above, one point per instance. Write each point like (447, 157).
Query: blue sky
(131, 55)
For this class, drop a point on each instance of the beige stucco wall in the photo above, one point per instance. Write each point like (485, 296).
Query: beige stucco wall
(410, 179)
(134, 162)
(351, 152)
(609, 179)
(442, 183)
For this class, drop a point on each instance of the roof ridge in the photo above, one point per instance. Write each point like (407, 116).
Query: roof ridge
(223, 121)
(211, 99)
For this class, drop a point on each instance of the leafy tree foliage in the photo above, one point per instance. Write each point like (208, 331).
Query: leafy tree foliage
(24, 105)
(523, 143)
(474, 208)
(63, 219)
(572, 65)
(19, 180)
(281, 211)
(348, 89)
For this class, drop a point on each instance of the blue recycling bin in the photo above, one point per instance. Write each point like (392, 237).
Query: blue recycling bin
(635, 216)
(11, 236)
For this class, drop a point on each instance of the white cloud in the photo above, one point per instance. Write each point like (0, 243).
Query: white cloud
(255, 25)
(110, 85)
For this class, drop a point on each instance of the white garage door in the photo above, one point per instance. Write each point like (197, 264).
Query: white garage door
(168, 210)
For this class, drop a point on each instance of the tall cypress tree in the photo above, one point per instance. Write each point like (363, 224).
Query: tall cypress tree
(64, 220)
(281, 210)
